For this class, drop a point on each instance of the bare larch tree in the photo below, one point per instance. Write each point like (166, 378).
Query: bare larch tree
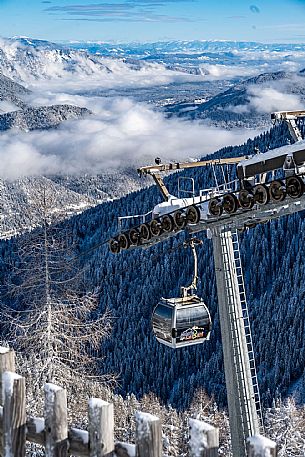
(51, 319)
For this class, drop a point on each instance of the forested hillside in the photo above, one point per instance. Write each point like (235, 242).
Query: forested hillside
(131, 284)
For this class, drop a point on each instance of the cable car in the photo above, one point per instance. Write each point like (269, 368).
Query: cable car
(183, 321)
(179, 322)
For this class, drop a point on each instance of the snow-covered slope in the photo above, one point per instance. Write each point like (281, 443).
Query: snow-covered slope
(41, 118)
(11, 94)
(72, 195)
(107, 186)
(24, 60)
(19, 207)
(249, 102)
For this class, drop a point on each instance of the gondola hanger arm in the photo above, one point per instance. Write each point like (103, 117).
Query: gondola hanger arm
(193, 286)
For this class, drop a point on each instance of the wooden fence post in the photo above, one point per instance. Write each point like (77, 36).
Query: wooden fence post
(7, 363)
(14, 415)
(101, 428)
(148, 435)
(56, 427)
(204, 439)
(259, 446)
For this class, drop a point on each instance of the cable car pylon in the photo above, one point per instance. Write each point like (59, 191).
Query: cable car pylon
(239, 364)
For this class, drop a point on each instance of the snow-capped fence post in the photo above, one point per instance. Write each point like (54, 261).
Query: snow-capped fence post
(56, 427)
(148, 435)
(204, 439)
(259, 446)
(14, 415)
(101, 428)
(7, 363)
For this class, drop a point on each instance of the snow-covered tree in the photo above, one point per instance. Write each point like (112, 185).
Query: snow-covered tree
(285, 424)
(51, 319)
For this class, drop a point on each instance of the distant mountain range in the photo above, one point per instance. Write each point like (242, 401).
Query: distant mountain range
(26, 60)
(178, 47)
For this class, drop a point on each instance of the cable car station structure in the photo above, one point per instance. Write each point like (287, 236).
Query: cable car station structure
(256, 196)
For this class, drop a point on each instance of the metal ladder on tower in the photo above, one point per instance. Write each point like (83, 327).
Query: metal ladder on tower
(244, 419)
(234, 319)
(248, 334)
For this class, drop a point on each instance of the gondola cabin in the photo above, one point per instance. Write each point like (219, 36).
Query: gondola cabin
(180, 322)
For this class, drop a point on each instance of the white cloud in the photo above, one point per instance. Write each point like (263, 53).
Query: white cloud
(219, 72)
(275, 95)
(121, 134)
(268, 99)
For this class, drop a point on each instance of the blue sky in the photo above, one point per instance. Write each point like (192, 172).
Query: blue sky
(150, 20)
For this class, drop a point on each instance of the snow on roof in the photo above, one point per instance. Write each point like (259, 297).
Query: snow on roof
(273, 153)
(4, 350)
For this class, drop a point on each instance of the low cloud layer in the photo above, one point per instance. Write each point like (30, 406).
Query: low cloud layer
(121, 134)
(220, 72)
(276, 96)
(266, 100)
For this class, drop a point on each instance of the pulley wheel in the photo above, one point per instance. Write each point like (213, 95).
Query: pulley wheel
(230, 203)
(145, 234)
(246, 199)
(193, 215)
(124, 241)
(134, 236)
(155, 227)
(180, 219)
(295, 186)
(215, 207)
(114, 246)
(261, 194)
(167, 223)
(277, 191)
